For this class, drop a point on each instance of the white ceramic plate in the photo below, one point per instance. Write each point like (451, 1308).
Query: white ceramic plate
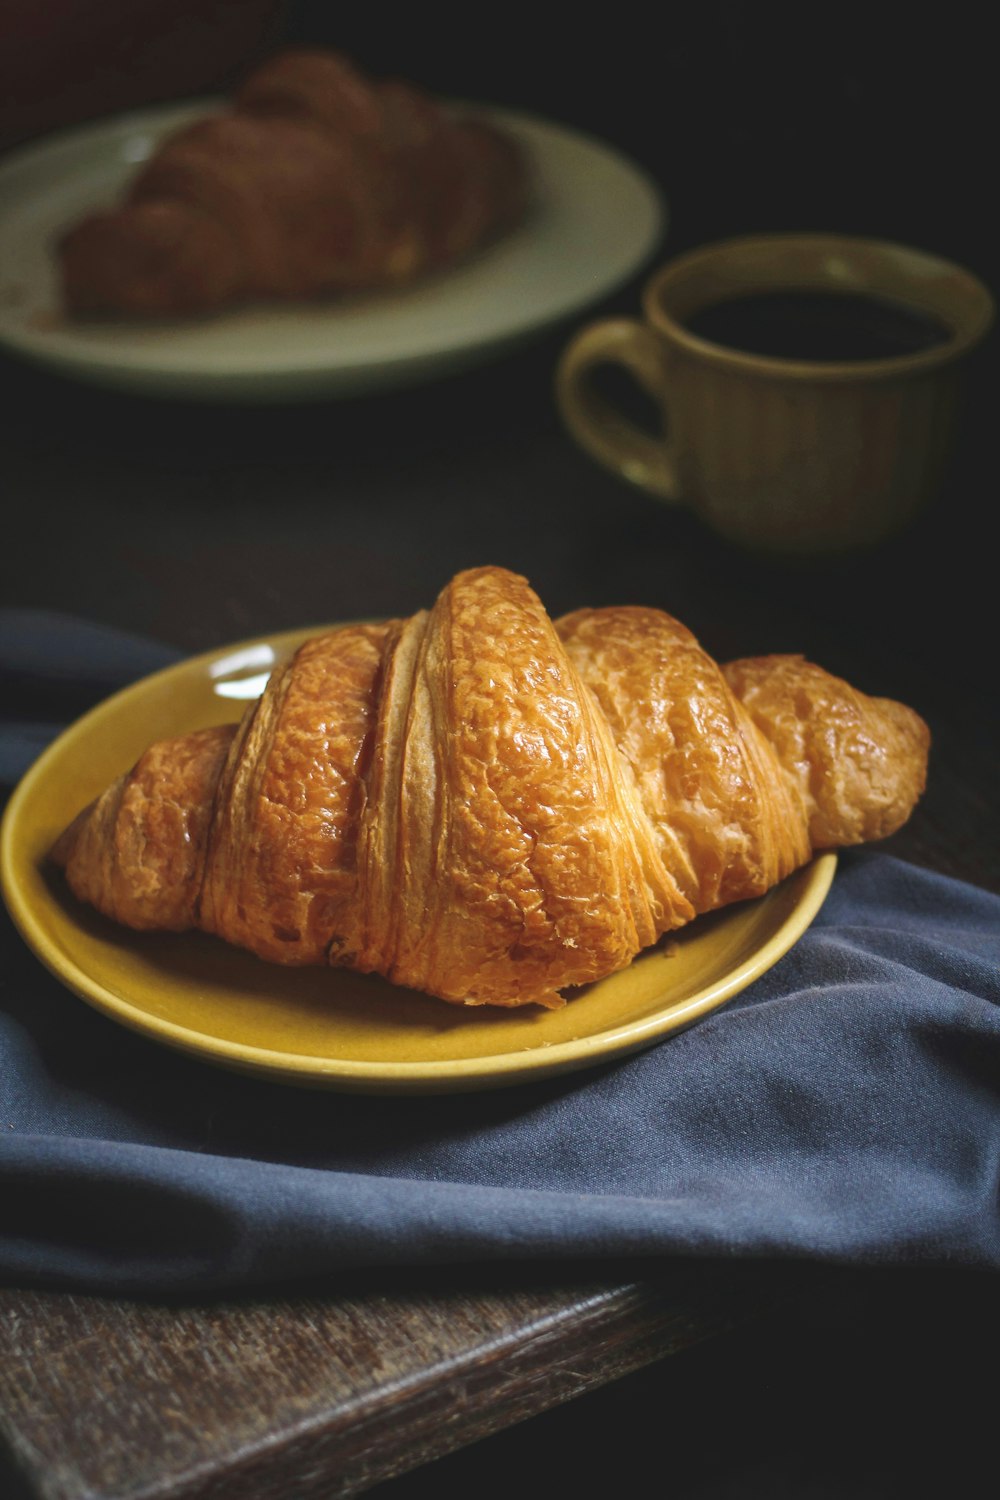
(596, 219)
(330, 1028)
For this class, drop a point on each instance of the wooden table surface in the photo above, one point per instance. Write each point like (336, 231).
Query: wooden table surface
(205, 524)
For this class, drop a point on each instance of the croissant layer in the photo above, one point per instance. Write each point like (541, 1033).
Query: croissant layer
(492, 807)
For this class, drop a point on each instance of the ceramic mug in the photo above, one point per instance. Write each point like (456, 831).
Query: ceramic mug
(793, 420)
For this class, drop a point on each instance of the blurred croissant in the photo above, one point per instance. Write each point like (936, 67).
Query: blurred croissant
(491, 807)
(316, 181)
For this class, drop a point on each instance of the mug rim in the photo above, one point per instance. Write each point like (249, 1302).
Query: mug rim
(962, 338)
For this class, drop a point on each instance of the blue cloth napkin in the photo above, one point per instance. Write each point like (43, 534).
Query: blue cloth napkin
(843, 1109)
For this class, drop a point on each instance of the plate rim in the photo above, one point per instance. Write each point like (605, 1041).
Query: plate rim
(348, 1075)
(234, 381)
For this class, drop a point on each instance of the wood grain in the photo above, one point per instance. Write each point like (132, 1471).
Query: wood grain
(320, 1396)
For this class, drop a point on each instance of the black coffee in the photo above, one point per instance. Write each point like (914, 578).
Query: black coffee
(811, 325)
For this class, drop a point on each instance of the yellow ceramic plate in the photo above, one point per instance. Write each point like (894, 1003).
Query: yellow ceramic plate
(328, 1027)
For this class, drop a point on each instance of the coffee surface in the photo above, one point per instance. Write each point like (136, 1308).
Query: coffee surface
(813, 325)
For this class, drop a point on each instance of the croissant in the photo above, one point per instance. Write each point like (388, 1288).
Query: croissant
(491, 807)
(317, 180)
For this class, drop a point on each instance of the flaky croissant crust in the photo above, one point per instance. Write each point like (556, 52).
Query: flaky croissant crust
(490, 807)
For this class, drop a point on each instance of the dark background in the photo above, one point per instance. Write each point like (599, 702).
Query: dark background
(875, 118)
(754, 114)
(864, 118)
(204, 525)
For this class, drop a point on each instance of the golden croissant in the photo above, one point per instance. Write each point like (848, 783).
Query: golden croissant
(493, 807)
(317, 180)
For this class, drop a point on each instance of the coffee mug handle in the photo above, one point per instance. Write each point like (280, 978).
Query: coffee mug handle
(606, 433)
